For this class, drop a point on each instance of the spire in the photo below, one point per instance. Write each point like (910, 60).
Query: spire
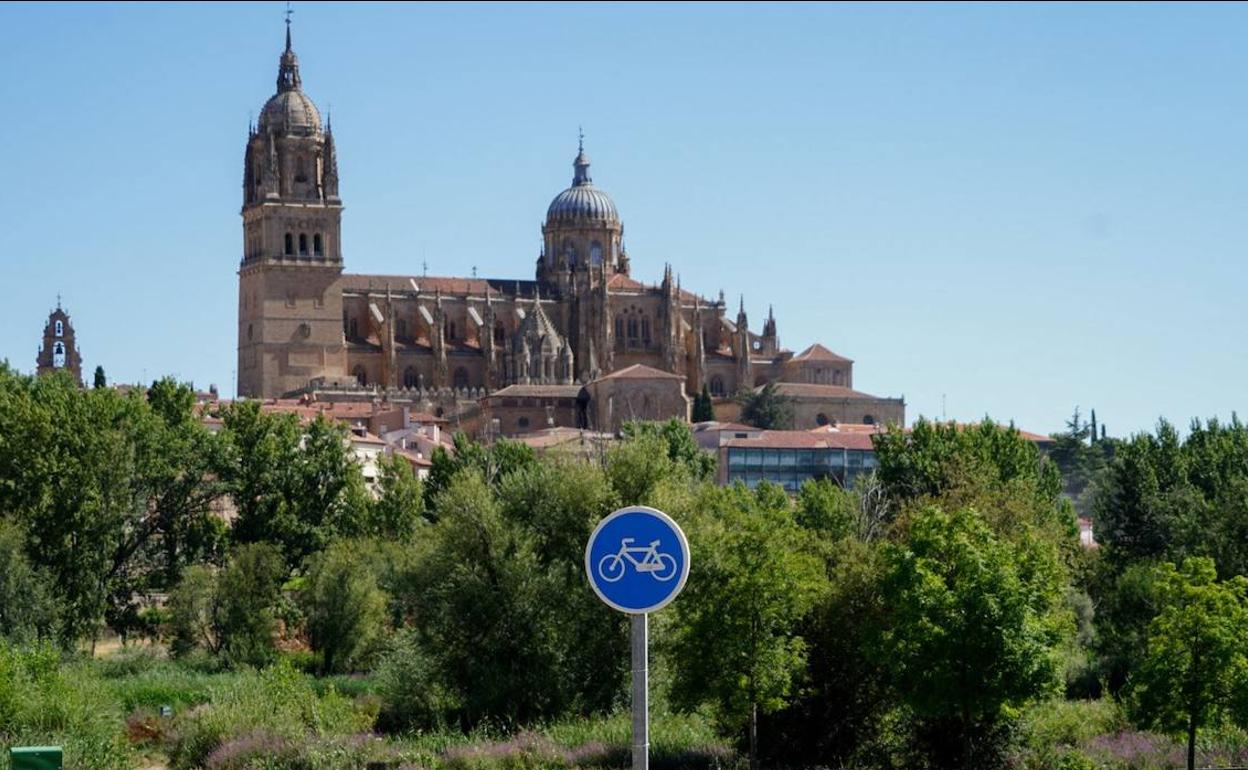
(581, 164)
(288, 69)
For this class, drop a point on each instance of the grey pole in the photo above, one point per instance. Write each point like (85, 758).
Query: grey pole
(641, 698)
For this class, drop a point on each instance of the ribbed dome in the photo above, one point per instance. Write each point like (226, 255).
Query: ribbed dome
(290, 112)
(582, 201)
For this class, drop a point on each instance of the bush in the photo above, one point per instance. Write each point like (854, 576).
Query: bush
(410, 687)
(273, 709)
(345, 609)
(42, 703)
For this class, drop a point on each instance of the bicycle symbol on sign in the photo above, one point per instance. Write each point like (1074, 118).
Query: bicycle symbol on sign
(661, 566)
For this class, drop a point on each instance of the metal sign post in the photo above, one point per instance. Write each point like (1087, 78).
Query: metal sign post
(641, 692)
(637, 561)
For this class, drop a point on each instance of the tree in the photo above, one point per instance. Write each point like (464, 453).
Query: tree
(194, 612)
(736, 642)
(247, 593)
(100, 380)
(296, 486)
(766, 409)
(27, 611)
(680, 444)
(492, 462)
(974, 623)
(1195, 672)
(399, 509)
(345, 609)
(703, 407)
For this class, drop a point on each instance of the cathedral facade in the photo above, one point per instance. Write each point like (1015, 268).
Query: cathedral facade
(303, 322)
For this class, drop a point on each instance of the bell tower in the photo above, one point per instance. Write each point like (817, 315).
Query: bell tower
(60, 348)
(290, 301)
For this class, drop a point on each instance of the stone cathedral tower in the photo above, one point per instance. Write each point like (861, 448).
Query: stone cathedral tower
(290, 305)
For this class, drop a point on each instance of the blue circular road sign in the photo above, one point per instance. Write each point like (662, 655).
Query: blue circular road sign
(637, 559)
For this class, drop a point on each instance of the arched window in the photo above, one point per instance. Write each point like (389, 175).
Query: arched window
(632, 328)
(645, 331)
(317, 248)
(60, 329)
(400, 328)
(595, 254)
(58, 354)
(523, 423)
(290, 243)
(821, 419)
(303, 244)
(410, 378)
(619, 327)
(460, 379)
(500, 333)
(868, 419)
(360, 374)
(717, 386)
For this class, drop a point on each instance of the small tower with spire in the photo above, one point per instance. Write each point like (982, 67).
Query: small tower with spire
(59, 352)
(769, 343)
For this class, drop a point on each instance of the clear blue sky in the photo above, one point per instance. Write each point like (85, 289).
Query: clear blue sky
(1020, 208)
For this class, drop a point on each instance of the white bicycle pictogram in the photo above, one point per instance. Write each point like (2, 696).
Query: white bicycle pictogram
(661, 566)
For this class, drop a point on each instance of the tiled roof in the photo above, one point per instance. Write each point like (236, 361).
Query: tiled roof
(641, 372)
(817, 352)
(810, 390)
(450, 286)
(802, 439)
(537, 391)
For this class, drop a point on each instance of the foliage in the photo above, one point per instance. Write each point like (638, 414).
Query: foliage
(99, 381)
(1081, 456)
(1195, 672)
(827, 509)
(682, 449)
(491, 462)
(765, 408)
(703, 406)
(399, 510)
(27, 609)
(43, 703)
(735, 639)
(278, 706)
(247, 594)
(411, 687)
(344, 607)
(295, 486)
(194, 612)
(974, 620)
(113, 492)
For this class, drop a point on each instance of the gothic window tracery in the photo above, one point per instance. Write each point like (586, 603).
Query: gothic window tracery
(717, 386)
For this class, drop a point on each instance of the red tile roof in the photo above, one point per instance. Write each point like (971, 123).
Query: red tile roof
(810, 390)
(802, 439)
(817, 352)
(537, 391)
(641, 372)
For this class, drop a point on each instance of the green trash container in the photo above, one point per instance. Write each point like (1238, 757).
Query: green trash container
(35, 758)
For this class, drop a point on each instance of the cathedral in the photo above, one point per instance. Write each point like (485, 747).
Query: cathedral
(307, 326)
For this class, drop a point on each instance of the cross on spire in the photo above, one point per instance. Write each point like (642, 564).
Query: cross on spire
(580, 143)
(289, 11)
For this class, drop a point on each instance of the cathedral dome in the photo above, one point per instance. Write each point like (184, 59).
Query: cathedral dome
(582, 202)
(290, 112)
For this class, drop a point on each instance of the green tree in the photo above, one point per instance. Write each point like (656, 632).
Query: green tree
(194, 612)
(703, 407)
(637, 467)
(100, 380)
(681, 447)
(27, 611)
(1195, 672)
(491, 462)
(974, 624)
(296, 486)
(399, 509)
(344, 607)
(756, 576)
(247, 595)
(112, 492)
(765, 408)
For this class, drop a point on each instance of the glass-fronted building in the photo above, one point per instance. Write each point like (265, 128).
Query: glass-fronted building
(790, 457)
